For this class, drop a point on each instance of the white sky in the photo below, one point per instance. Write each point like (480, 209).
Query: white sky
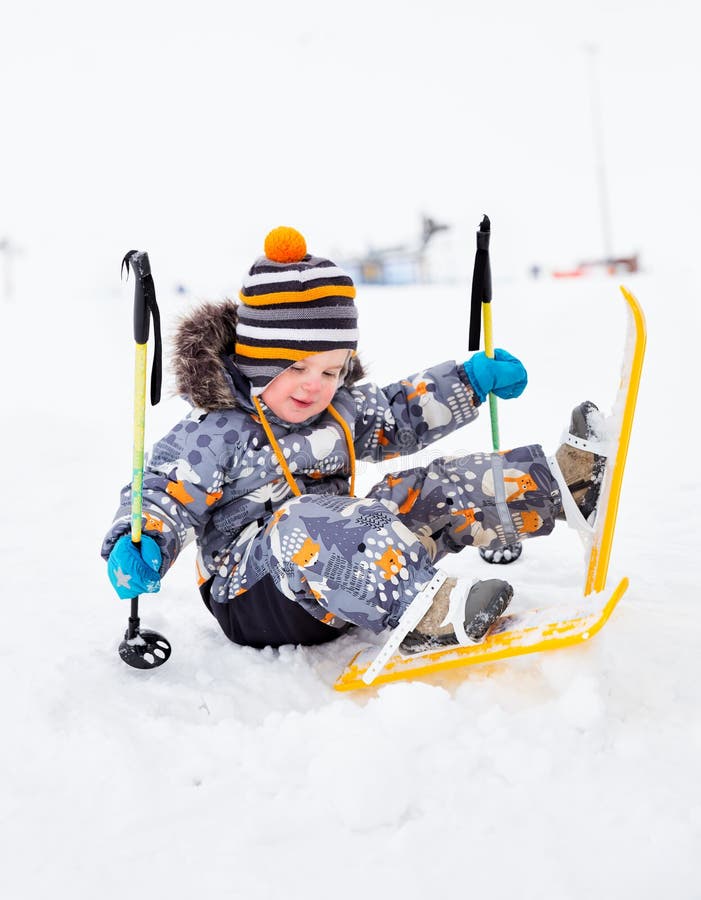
(190, 130)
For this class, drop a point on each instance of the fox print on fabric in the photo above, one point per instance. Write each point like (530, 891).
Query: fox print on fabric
(527, 521)
(390, 563)
(423, 390)
(516, 484)
(307, 554)
(469, 517)
(522, 484)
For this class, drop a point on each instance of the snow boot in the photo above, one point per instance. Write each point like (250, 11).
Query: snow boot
(582, 469)
(462, 612)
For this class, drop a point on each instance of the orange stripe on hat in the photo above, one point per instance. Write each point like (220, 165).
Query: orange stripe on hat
(277, 352)
(271, 352)
(316, 293)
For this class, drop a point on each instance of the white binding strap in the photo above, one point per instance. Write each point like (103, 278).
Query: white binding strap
(601, 448)
(411, 617)
(573, 514)
(456, 612)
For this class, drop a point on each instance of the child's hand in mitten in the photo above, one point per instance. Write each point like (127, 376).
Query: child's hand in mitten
(133, 568)
(503, 375)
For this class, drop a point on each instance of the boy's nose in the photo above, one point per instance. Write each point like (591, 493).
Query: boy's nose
(312, 383)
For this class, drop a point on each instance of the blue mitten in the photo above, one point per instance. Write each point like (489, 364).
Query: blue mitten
(133, 568)
(504, 375)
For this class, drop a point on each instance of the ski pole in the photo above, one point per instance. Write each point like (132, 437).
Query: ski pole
(482, 302)
(481, 311)
(142, 649)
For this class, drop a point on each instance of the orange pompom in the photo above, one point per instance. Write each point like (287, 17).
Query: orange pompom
(285, 245)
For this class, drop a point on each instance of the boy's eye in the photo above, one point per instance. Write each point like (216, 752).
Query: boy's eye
(302, 369)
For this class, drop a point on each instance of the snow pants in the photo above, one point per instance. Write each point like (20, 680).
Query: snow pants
(363, 560)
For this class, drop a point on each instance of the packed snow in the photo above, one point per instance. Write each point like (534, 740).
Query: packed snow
(571, 774)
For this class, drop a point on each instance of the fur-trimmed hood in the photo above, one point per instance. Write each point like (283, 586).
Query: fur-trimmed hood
(203, 340)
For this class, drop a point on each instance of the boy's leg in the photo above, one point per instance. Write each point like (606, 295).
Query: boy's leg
(263, 617)
(482, 499)
(341, 557)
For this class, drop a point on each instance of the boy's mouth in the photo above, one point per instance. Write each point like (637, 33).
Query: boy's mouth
(302, 404)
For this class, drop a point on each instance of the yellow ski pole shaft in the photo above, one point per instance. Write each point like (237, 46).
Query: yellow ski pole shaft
(489, 350)
(141, 334)
(137, 476)
(137, 482)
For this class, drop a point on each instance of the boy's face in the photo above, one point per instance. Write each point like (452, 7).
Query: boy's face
(307, 387)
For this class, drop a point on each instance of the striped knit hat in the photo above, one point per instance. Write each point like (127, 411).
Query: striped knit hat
(292, 305)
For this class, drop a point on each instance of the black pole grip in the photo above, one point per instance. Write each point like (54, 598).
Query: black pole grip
(145, 306)
(483, 236)
(142, 290)
(481, 283)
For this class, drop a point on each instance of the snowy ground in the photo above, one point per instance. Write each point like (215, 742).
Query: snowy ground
(232, 772)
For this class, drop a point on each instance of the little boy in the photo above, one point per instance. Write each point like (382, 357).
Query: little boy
(261, 473)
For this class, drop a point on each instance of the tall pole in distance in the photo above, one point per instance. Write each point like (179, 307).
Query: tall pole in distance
(592, 52)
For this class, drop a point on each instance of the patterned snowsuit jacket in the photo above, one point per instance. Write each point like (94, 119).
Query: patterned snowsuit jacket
(215, 478)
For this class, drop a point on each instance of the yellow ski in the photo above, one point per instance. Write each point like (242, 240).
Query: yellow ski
(536, 631)
(624, 407)
(532, 631)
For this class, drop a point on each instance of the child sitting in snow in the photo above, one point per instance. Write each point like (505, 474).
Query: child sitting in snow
(261, 472)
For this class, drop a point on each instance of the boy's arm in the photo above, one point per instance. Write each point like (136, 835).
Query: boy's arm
(182, 484)
(404, 417)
